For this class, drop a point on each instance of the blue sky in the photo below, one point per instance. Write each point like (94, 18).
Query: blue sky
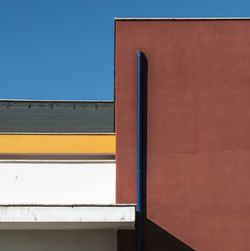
(63, 49)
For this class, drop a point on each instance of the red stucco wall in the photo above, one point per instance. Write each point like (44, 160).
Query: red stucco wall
(198, 164)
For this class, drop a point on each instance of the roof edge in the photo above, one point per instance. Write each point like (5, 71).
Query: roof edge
(56, 101)
(78, 217)
(57, 133)
(178, 18)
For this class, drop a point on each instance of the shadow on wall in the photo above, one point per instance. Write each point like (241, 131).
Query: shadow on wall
(154, 237)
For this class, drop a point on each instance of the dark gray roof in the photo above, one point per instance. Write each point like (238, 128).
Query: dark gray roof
(56, 116)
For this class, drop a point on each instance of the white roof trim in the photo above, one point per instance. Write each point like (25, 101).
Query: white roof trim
(64, 217)
(60, 100)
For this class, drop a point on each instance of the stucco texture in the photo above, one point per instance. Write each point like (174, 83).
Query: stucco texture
(198, 137)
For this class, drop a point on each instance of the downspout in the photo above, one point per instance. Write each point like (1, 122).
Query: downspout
(139, 152)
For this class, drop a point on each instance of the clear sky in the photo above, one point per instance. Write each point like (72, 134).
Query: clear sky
(63, 49)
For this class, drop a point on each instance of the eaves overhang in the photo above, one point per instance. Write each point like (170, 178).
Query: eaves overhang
(67, 217)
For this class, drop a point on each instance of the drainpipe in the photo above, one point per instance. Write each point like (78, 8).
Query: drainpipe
(139, 152)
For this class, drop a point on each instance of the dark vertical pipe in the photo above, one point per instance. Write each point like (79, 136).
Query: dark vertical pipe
(139, 151)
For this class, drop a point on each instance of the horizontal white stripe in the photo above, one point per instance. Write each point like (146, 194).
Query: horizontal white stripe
(57, 183)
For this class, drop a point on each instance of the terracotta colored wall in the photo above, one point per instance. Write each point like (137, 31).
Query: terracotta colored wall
(198, 164)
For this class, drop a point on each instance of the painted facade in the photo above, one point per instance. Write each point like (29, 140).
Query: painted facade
(82, 177)
(197, 162)
(57, 182)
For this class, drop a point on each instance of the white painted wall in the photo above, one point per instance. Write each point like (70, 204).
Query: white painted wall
(57, 183)
(58, 240)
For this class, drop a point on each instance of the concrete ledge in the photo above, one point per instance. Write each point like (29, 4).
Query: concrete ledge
(66, 217)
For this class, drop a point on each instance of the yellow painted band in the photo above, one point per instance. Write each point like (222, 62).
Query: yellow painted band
(57, 144)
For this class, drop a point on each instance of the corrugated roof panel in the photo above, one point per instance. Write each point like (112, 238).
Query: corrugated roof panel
(56, 117)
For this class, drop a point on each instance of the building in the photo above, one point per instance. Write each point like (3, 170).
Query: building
(197, 159)
(74, 171)
(57, 176)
